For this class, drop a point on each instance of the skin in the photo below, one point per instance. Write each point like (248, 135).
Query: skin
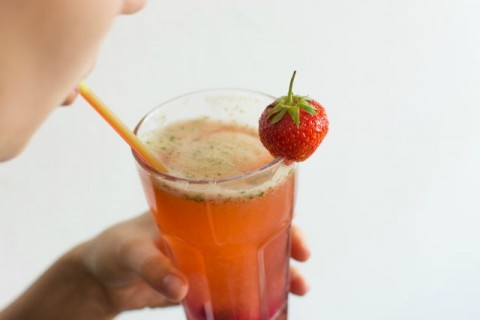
(47, 47)
(51, 46)
(121, 269)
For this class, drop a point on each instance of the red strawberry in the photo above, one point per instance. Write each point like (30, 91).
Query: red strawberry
(297, 136)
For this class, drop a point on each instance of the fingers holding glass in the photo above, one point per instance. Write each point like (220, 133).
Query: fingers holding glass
(300, 250)
(298, 284)
(153, 267)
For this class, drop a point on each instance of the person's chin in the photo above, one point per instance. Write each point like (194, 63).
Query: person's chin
(10, 151)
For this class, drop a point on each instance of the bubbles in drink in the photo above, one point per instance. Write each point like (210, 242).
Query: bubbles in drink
(205, 149)
(208, 149)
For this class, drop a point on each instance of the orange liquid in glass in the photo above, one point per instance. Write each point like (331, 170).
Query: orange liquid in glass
(233, 247)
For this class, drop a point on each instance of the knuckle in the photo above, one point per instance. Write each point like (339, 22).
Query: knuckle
(157, 263)
(129, 247)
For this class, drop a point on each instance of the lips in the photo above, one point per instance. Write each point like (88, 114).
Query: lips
(71, 97)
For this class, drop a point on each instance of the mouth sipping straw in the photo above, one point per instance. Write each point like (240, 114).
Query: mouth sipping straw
(140, 148)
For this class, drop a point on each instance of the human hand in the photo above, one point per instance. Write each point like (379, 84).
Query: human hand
(299, 252)
(128, 262)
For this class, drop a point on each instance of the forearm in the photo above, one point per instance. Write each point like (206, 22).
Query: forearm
(65, 291)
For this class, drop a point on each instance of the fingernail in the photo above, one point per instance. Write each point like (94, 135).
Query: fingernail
(174, 287)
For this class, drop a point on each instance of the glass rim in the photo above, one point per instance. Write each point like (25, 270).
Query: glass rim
(275, 162)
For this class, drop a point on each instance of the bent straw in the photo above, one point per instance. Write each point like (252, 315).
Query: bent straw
(140, 148)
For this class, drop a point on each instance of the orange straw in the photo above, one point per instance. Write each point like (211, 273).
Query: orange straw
(140, 148)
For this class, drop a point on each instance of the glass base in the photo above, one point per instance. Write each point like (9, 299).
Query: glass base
(281, 314)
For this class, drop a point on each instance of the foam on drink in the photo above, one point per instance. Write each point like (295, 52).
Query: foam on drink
(205, 149)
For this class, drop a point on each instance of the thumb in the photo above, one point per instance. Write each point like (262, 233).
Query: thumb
(151, 265)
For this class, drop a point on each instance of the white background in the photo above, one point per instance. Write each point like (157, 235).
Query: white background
(390, 201)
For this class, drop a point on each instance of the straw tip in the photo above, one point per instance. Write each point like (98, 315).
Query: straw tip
(82, 87)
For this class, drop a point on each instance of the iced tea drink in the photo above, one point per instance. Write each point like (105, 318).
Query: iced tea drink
(225, 208)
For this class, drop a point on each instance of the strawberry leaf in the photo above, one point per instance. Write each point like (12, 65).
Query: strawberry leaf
(277, 108)
(308, 108)
(279, 116)
(292, 104)
(295, 114)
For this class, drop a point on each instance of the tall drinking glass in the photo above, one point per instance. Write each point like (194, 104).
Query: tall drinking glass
(229, 236)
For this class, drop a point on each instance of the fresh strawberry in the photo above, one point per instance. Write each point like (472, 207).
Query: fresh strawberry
(297, 136)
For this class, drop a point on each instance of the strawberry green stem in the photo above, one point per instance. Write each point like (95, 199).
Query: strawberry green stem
(290, 92)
